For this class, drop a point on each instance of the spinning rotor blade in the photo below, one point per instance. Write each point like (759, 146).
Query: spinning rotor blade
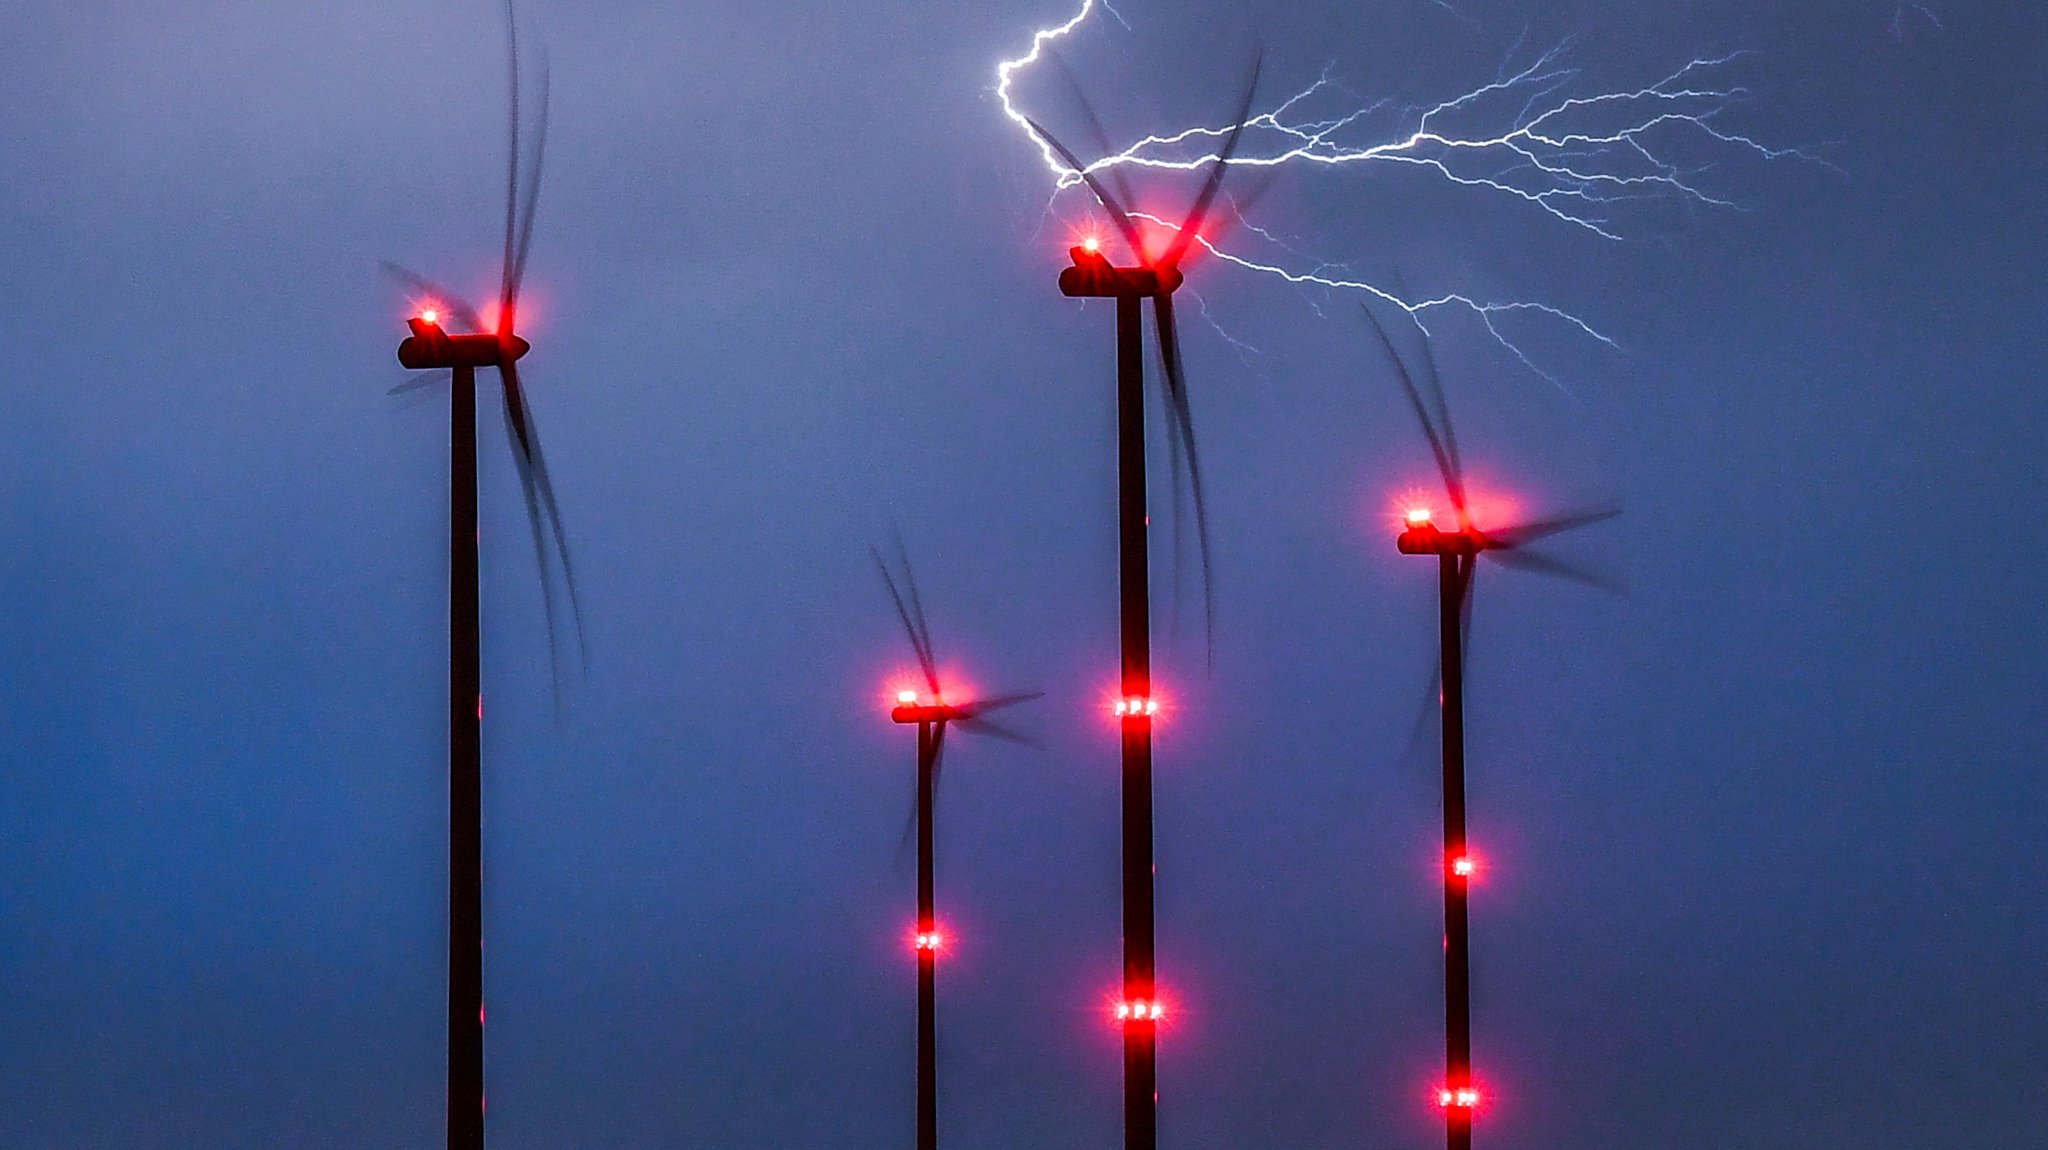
(1199, 213)
(1441, 445)
(418, 383)
(1181, 443)
(911, 611)
(540, 149)
(1556, 524)
(938, 762)
(910, 822)
(1433, 696)
(448, 300)
(511, 165)
(982, 707)
(1510, 548)
(1538, 563)
(996, 730)
(908, 840)
(1110, 203)
(1431, 708)
(543, 514)
(1101, 138)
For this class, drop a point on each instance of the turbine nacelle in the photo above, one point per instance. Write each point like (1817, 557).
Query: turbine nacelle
(928, 713)
(1093, 275)
(1426, 538)
(429, 346)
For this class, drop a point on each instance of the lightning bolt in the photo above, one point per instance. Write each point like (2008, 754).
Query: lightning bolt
(1905, 9)
(1532, 137)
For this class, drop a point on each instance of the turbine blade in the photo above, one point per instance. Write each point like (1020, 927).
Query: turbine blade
(996, 730)
(1446, 463)
(544, 514)
(511, 167)
(1110, 203)
(1526, 533)
(1101, 138)
(1468, 572)
(924, 627)
(982, 707)
(919, 644)
(418, 383)
(453, 303)
(1192, 226)
(1181, 424)
(1431, 708)
(532, 200)
(1537, 563)
(938, 761)
(905, 845)
(1434, 379)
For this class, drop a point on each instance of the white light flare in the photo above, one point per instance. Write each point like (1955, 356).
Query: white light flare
(1579, 158)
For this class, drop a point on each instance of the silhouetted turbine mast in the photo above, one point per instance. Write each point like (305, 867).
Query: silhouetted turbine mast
(1458, 551)
(932, 714)
(432, 347)
(1092, 275)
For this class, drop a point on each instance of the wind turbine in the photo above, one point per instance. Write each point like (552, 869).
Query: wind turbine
(433, 347)
(1154, 278)
(933, 714)
(1458, 550)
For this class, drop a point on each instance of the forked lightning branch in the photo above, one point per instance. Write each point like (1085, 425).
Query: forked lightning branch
(1534, 138)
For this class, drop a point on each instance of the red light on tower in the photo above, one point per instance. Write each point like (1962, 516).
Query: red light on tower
(430, 315)
(1418, 517)
(1462, 1098)
(1141, 1010)
(907, 698)
(1134, 706)
(1464, 866)
(930, 940)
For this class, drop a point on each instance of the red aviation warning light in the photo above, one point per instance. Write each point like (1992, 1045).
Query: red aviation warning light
(1141, 1010)
(431, 316)
(1464, 865)
(1134, 706)
(929, 941)
(1418, 517)
(1462, 1098)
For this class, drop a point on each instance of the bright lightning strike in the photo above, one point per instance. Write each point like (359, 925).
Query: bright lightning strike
(1530, 138)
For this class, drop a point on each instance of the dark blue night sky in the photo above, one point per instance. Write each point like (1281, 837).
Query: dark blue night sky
(1764, 835)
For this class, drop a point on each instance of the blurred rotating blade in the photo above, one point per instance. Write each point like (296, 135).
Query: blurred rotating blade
(447, 300)
(1180, 424)
(543, 515)
(1441, 445)
(1110, 203)
(910, 609)
(1198, 214)
(1557, 524)
(1538, 563)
